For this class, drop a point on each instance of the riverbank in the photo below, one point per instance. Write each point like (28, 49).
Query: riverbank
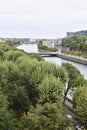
(76, 59)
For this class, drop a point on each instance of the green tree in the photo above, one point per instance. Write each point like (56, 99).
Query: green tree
(12, 85)
(37, 56)
(47, 117)
(80, 103)
(13, 55)
(73, 79)
(75, 43)
(24, 81)
(57, 71)
(51, 90)
(6, 118)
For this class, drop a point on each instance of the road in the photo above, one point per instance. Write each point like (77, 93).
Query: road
(68, 103)
(73, 116)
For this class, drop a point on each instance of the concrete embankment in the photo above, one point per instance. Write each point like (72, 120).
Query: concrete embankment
(76, 59)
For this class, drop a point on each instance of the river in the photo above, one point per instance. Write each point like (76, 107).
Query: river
(58, 61)
(30, 48)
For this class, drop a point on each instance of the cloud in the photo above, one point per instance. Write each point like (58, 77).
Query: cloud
(42, 17)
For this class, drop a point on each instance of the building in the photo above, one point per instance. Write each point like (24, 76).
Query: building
(58, 42)
(48, 43)
(70, 34)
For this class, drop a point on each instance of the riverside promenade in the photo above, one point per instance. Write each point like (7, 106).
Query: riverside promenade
(77, 59)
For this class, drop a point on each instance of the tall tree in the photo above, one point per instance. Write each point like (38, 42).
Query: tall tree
(74, 77)
(46, 117)
(80, 103)
(51, 90)
(6, 118)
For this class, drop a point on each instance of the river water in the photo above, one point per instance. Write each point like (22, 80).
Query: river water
(58, 61)
(30, 48)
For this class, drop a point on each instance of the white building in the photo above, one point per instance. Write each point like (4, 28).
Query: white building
(48, 43)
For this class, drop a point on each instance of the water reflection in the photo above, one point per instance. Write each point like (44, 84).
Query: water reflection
(59, 61)
(30, 48)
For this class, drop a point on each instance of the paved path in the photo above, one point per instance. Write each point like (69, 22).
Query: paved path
(68, 103)
(72, 115)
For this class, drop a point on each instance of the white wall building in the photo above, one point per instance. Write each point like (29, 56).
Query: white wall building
(48, 43)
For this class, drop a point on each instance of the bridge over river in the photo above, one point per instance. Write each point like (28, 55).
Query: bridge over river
(47, 53)
(77, 59)
(79, 62)
(33, 49)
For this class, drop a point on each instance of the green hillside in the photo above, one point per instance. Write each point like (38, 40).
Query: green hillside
(80, 33)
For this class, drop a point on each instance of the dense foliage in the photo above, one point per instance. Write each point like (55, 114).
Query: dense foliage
(80, 103)
(78, 44)
(46, 117)
(80, 33)
(78, 86)
(31, 92)
(7, 120)
(74, 80)
(14, 42)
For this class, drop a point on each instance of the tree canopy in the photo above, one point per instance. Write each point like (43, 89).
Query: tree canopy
(75, 43)
(31, 91)
(25, 79)
(80, 103)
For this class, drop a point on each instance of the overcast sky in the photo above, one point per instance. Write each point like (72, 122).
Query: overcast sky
(42, 18)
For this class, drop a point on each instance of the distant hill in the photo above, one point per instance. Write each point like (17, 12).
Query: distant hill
(82, 33)
(78, 33)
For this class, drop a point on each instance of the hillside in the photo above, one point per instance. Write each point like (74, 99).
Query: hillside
(78, 33)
